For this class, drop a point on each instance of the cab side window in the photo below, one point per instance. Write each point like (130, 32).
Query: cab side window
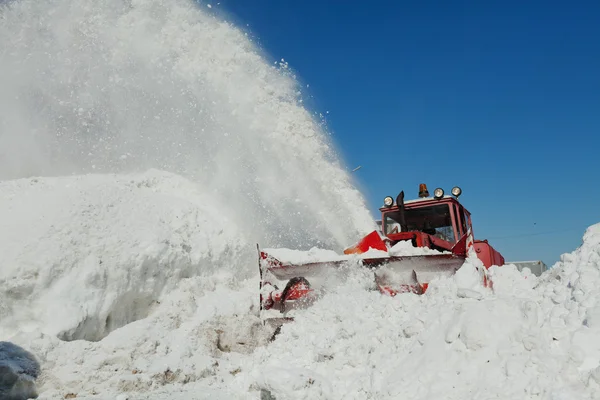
(462, 216)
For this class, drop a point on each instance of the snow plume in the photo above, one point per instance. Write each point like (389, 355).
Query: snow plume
(124, 86)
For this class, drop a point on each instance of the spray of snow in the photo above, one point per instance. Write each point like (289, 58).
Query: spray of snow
(113, 86)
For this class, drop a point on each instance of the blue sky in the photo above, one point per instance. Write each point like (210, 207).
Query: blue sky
(500, 98)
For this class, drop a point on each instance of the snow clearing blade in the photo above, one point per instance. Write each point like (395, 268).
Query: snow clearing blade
(401, 274)
(392, 275)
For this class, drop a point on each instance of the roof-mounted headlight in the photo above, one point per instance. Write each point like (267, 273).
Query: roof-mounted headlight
(438, 193)
(388, 201)
(456, 191)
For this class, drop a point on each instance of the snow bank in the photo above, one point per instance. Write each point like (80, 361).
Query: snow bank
(531, 338)
(184, 342)
(84, 255)
(145, 267)
(528, 338)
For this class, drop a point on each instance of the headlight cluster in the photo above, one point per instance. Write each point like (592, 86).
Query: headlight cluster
(438, 193)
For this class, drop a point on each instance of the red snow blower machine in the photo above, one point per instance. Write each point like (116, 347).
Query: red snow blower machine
(435, 231)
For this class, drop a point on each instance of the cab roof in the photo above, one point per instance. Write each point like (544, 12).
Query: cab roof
(423, 201)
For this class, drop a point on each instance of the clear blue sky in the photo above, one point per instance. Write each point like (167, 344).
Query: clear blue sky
(500, 98)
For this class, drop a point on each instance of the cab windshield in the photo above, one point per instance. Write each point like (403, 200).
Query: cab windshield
(434, 220)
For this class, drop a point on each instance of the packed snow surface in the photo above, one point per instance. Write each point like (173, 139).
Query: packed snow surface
(145, 148)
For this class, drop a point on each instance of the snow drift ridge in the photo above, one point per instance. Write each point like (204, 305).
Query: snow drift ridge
(86, 255)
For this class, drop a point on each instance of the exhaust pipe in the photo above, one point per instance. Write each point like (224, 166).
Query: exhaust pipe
(400, 204)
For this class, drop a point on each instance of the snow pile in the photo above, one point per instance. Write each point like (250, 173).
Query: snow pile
(83, 256)
(146, 268)
(528, 338)
(184, 342)
(533, 338)
(405, 248)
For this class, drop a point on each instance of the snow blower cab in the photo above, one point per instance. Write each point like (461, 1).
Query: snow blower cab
(417, 241)
(439, 223)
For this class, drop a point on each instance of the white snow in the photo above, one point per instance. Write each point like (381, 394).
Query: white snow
(315, 254)
(82, 256)
(405, 248)
(533, 338)
(528, 338)
(140, 281)
(83, 82)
